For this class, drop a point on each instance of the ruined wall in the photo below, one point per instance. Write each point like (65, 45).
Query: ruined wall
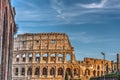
(50, 56)
(7, 33)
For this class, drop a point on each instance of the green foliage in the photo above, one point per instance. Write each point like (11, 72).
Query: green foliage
(114, 75)
(66, 76)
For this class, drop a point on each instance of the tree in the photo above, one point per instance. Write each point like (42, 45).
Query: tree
(66, 76)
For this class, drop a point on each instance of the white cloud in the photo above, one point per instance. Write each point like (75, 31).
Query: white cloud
(94, 5)
(61, 13)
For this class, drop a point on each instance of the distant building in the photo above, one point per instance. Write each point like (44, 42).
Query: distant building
(115, 67)
(49, 56)
(7, 30)
(118, 62)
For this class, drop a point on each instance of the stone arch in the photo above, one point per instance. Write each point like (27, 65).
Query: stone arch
(52, 71)
(23, 57)
(98, 67)
(68, 57)
(60, 57)
(94, 73)
(23, 71)
(52, 57)
(101, 72)
(87, 72)
(68, 70)
(30, 57)
(29, 72)
(45, 57)
(37, 57)
(16, 71)
(60, 71)
(98, 73)
(17, 57)
(76, 71)
(44, 72)
(37, 71)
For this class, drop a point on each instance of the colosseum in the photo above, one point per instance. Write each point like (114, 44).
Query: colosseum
(50, 56)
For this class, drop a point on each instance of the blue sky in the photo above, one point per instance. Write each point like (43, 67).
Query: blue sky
(93, 26)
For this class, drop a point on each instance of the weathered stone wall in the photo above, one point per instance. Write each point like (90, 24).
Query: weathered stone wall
(7, 29)
(50, 51)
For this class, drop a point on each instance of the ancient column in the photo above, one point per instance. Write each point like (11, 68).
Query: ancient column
(34, 54)
(48, 57)
(48, 71)
(40, 72)
(64, 71)
(33, 71)
(20, 58)
(64, 56)
(56, 57)
(41, 57)
(27, 58)
(26, 68)
(19, 71)
(56, 71)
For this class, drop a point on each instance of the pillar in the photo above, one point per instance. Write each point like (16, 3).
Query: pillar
(19, 71)
(26, 68)
(64, 56)
(33, 55)
(56, 57)
(72, 57)
(33, 71)
(48, 71)
(27, 58)
(41, 57)
(40, 71)
(56, 71)
(48, 57)
(20, 58)
(72, 70)
(64, 71)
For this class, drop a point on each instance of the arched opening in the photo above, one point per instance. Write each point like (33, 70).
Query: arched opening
(30, 57)
(76, 71)
(53, 41)
(60, 57)
(101, 73)
(87, 72)
(17, 58)
(23, 71)
(98, 67)
(68, 71)
(52, 71)
(45, 57)
(52, 57)
(37, 71)
(16, 71)
(44, 71)
(98, 73)
(37, 57)
(60, 71)
(23, 57)
(68, 57)
(94, 73)
(29, 71)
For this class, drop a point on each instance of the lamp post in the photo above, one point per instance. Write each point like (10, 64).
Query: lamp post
(104, 62)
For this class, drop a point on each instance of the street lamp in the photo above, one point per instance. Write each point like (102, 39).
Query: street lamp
(104, 62)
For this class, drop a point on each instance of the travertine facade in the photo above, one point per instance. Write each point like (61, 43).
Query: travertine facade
(7, 30)
(50, 56)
